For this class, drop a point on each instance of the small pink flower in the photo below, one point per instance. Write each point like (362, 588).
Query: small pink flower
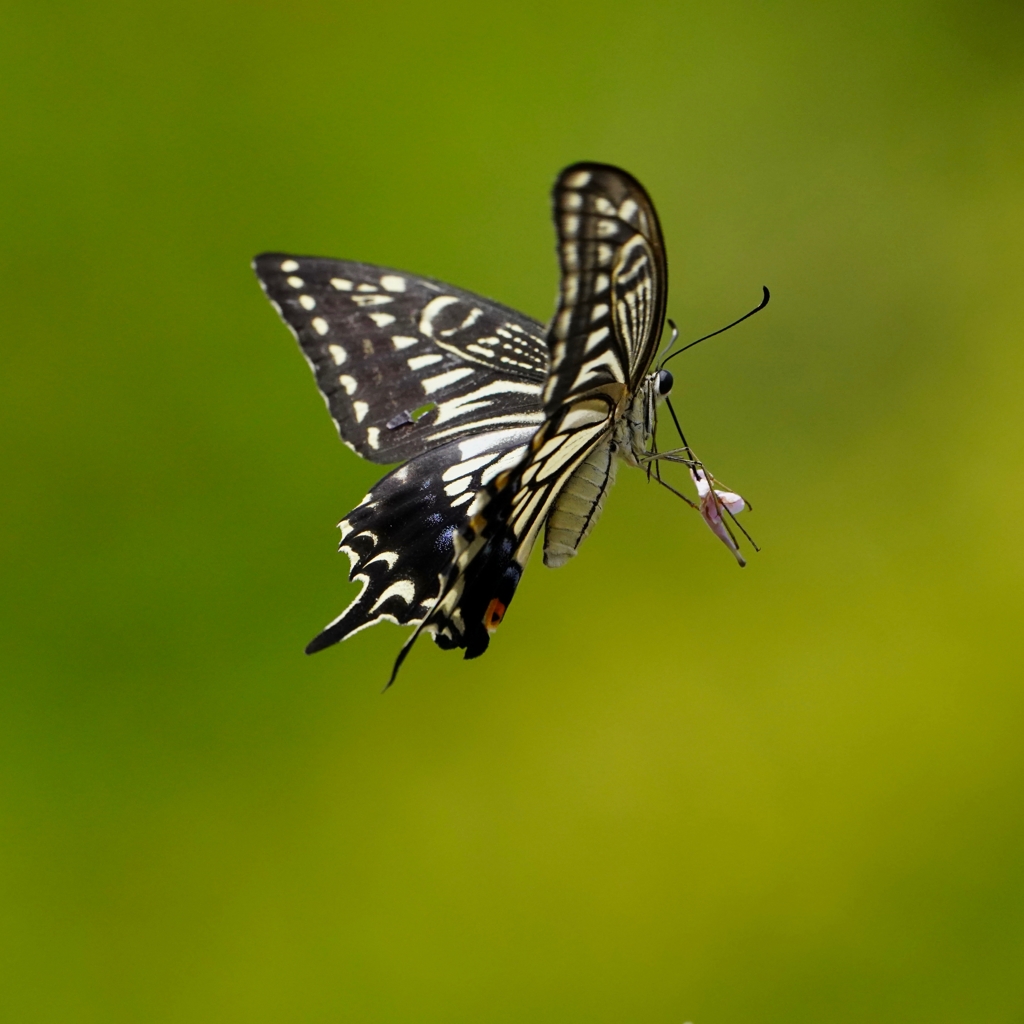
(712, 502)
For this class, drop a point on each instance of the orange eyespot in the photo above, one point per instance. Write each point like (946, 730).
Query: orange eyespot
(493, 616)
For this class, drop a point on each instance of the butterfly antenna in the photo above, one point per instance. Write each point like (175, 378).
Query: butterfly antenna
(756, 309)
(672, 340)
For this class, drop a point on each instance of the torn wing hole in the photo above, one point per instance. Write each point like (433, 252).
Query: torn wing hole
(405, 418)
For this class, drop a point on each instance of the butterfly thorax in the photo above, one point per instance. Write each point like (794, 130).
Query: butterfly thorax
(634, 429)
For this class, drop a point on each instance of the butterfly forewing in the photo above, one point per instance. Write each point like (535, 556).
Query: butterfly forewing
(614, 283)
(406, 363)
(602, 341)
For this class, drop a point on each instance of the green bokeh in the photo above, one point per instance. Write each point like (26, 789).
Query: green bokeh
(671, 791)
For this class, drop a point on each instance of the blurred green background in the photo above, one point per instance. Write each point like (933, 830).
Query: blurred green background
(671, 791)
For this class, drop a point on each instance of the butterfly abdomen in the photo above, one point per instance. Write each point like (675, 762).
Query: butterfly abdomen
(578, 506)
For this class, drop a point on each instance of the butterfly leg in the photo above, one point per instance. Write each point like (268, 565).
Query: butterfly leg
(669, 487)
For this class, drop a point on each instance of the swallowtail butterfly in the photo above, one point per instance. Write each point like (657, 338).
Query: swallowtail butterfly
(502, 425)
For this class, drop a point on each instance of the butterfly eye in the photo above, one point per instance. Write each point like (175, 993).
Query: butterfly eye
(664, 382)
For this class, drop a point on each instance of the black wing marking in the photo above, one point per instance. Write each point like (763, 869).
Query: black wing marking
(494, 544)
(611, 305)
(399, 538)
(385, 345)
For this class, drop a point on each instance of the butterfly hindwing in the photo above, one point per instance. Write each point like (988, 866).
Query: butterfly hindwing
(406, 363)
(614, 285)
(494, 543)
(399, 538)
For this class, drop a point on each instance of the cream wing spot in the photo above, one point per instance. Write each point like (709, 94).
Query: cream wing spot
(404, 589)
(509, 461)
(373, 437)
(338, 354)
(457, 486)
(431, 311)
(382, 319)
(360, 409)
(393, 283)
(401, 341)
(461, 469)
(480, 399)
(418, 362)
(388, 557)
(349, 384)
(341, 284)
(585, 414)
(289, 265)
(551, 445)
(522, 418)
(442, 380)
(307, 302)
(296, 282)
(471, 318)
(319, 324)
(474, 446)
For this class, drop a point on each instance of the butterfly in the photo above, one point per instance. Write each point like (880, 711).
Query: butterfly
(502, 425)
